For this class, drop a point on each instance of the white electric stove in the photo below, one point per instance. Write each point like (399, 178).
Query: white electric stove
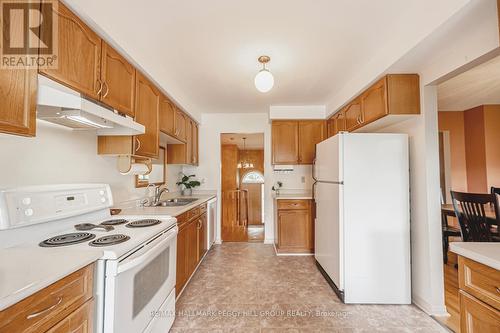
(135, 276)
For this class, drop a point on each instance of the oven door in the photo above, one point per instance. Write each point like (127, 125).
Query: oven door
(137, 286)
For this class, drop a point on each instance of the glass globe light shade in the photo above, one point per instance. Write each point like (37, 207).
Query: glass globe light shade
(264, 81)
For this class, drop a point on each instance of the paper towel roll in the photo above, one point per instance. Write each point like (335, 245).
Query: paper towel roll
(137, 169)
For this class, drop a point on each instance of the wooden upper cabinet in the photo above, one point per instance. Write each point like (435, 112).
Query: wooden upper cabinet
(18, 89)
(118, 80)
(374, 101)
(394, 94)
(180, 124)
(189, 141)
(195, 144)
(353, 115)
(79, 55)
(167, 117)
(311, 132)
(147, 105)
(285, 142)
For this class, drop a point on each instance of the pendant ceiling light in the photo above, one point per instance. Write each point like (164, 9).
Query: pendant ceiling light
(264, 80)
(245, 164)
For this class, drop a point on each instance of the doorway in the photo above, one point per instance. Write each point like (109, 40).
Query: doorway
(469, 127)
(242, 186)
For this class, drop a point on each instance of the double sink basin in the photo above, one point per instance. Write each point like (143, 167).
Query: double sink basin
(176, 202)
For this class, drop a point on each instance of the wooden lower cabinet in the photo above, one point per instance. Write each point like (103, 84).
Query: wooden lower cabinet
(80, 321)
(476, 316)
(67, 303)
(479, 297)
(191, 244)
(295, 226)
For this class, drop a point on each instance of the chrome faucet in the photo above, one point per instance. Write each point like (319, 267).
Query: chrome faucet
(158, 192)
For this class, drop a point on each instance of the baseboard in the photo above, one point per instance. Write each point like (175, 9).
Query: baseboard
(218, 241)
(431, 310)
(269, 241)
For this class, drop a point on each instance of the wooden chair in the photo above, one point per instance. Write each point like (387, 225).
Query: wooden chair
(447, 232)
(470, 210)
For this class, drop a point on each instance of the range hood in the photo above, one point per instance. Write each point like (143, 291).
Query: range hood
(61, 105)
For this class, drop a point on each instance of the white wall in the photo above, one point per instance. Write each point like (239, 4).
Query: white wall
(60, 155)
(297, 111)
(209, 170)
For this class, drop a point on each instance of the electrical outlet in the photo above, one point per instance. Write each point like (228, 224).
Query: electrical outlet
(303, 179)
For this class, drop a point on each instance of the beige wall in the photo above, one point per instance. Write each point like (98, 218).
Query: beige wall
(492, 144)
(475, 154)
(453, 122)
(474, 145)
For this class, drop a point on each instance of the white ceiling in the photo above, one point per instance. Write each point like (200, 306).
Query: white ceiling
(253, 141)
(477, 86)
(204, 53)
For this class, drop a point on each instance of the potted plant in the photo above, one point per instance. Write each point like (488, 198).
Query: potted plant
(187, 184)
(276, 187)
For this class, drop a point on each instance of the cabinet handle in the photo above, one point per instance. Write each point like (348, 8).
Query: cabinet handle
(39, 313)
(138, 144)
(100, 87)
(107, 89)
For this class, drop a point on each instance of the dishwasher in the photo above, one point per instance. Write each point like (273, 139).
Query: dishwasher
(212, 218)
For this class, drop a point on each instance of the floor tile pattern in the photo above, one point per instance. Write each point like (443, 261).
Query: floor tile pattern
(245, 287)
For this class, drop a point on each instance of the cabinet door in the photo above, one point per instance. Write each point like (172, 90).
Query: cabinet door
(195, 143)
(118, 79)
(192, 248)
(476, 316)
(340, 122)
(182, 260)
(353, 116)
(79, 321)
(285, 142)
(180, 124)
(330, 127)
(295, 230)
(147, 105)
(18, 101)
(189, 141)
(374, 102)
(311, 132)
(167, 117)
(202, 236)
(79, 58)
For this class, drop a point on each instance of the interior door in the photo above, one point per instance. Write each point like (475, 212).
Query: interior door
(254, 203)
(329, 231)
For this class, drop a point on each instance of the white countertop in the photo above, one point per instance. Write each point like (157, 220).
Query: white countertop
(484, 253)
(171, 211)
(24, 271)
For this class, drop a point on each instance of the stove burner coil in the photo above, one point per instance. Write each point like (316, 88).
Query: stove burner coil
(114, 222)
(109, 240)
(67, 239)
(142, 223)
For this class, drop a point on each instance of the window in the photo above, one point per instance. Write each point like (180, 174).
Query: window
(253, 177)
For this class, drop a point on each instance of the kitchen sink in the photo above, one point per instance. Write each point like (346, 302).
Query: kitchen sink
(176, 202)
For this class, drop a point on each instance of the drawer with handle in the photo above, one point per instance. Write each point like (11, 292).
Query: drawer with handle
(479, 281)
(44, 309)
(293, 204)
(203, 208)
(193, 213)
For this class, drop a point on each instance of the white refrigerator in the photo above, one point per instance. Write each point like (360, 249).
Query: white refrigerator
(362, 228)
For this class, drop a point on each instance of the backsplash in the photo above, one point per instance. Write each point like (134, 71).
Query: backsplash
(59, 155)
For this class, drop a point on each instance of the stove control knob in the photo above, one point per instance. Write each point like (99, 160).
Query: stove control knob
(28, 212)
(103, 199)
(101, 192)
(26, 201)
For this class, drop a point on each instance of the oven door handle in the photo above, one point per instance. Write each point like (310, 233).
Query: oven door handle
(134, 261)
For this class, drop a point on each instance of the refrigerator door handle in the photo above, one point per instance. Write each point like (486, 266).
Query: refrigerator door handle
(314, 191)
(314, 170)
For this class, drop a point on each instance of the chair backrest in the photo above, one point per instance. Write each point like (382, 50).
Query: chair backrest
(470, 210)
(495, 190)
